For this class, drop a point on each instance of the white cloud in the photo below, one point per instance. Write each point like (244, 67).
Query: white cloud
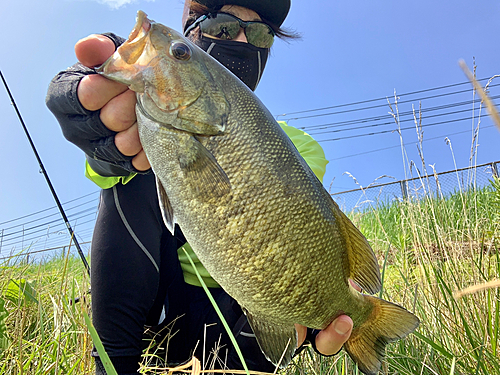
(115, 4)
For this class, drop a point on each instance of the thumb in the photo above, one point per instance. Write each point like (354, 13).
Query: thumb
(94, 50)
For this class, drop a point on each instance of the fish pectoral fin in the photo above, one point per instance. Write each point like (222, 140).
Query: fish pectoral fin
(202, 171)
(363, 266)
(277, 341)
(166, 209)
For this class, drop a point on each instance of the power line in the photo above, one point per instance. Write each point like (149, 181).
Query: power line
(384, 98)
(22, 240)
(311, 128)
(319, 131)
(384, 105)
(33, 231)
(394, 130)
(48, 216)
(46, 209)
(400, 121)
(47, 224)
(399, 145)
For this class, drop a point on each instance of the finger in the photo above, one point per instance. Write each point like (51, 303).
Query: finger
(140, 162)
(301, 334)
(128, 142)
(330, 340)
(94, 50)
(119, 113)
(94, 91)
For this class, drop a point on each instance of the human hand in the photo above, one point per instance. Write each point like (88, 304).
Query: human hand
(115, 100)
(330, 340)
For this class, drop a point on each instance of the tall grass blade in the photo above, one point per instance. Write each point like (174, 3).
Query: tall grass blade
(219, 313)
(110, 369)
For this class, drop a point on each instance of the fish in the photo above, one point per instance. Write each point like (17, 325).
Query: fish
(252, 210)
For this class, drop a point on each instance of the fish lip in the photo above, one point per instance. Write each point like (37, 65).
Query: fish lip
(141, 27)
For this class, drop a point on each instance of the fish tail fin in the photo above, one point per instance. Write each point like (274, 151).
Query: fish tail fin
(388, 322)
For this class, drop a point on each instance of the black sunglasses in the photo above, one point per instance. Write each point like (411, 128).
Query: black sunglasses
(226, 26)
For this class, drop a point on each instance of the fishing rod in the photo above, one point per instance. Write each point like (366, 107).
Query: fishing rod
(42, 168)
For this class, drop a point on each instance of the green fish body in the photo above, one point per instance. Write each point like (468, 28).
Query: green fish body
(252, 210)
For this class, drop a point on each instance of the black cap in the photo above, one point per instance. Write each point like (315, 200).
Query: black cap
(274, 11)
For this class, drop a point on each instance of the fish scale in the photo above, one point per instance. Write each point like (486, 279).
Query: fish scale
(252, 210)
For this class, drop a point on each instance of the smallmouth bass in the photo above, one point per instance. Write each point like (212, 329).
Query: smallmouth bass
(252, 210)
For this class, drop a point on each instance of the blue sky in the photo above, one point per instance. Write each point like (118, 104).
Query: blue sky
(351, 51)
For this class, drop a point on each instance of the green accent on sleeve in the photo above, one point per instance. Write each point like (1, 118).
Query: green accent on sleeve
(105, 182)
(308, 148)
(188, 270)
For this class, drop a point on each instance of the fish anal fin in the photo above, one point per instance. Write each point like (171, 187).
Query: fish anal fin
(277, 341)
(388, 322)
(363, 266)
(165, 207)
(206, 177)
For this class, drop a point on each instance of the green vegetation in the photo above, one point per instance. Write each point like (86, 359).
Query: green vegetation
(428, 249)
(41, 330)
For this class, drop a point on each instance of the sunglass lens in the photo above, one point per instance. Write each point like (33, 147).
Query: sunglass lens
(226, 26)
(222, 26)
(259, 35)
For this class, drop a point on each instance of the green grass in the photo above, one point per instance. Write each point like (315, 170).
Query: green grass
(41, 330)
(428, 249)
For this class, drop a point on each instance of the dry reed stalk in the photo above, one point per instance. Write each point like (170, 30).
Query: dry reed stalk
(477, 288)
(484, 96)
(193, 367)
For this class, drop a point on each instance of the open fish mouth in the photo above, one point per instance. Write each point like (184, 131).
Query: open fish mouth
(133, 48)
(141, 28)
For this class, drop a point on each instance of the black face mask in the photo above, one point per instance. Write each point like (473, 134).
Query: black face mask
(244, 60)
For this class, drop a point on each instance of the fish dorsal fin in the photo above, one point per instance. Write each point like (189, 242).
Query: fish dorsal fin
(363, 265)
(201, 170)
(277, 341)
(166, 209)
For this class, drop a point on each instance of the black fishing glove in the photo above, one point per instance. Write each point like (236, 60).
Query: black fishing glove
(84, 128)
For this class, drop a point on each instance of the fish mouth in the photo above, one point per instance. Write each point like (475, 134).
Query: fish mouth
(141, 28)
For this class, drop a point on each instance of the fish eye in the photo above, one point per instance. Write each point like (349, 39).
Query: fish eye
(180, 51)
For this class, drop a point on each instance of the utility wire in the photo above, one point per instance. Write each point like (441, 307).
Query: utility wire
(319, 131)
(46, 209)
(383, 98)
(393, 130)
(338, 124)
(21, 240)
(32, 229)
(399, 145)
(383, 105)
(51, 215)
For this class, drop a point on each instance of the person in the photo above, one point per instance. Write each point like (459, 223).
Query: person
(138, 271)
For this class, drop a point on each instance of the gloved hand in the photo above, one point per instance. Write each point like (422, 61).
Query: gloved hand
(97, 114)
